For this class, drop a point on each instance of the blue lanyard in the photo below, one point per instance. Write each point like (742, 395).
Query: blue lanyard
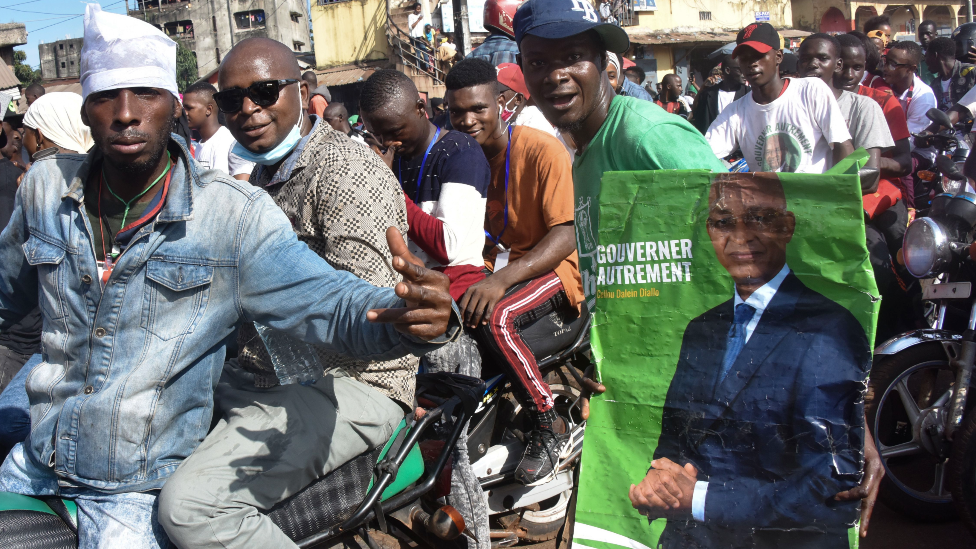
(508, 157)
(416, 197)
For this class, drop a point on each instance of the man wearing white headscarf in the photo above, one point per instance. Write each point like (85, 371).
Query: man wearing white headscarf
(621, 84)
(135, 330)
(53, 125)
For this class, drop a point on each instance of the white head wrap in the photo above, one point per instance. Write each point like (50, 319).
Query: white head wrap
(58, 116)
(125, 52)
(614, 60)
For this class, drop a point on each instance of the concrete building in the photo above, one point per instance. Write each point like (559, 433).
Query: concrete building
(11, 36)
(210, 28)
(840, 16)
(61, 59)
(672, 36)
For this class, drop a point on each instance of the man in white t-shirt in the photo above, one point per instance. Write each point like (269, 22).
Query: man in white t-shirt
(782, 125)
(216, 141)
(916, 97)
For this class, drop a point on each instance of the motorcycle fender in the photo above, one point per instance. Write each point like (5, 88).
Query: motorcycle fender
(907, 340)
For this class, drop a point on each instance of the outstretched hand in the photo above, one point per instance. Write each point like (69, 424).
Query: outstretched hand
(428, 301)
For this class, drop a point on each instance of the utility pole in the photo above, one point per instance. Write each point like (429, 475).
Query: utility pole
(462, 34)
(969, 11)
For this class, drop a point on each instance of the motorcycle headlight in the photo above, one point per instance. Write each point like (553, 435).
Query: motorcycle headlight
(925, 248)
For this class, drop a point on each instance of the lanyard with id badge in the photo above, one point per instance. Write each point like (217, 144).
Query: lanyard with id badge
(501, 257)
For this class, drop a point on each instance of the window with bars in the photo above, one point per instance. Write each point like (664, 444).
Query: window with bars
(179, 29)
(704, 16)
(253, 19)
(330, 2)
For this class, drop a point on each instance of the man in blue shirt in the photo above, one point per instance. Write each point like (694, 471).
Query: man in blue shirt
(143, 266)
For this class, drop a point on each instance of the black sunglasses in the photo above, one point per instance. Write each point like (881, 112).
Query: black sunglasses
(262, 93)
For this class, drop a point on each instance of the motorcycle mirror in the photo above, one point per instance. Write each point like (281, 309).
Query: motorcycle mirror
(939, 117)
(948, 168)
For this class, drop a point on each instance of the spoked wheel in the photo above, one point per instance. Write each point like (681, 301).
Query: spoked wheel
(907, 412)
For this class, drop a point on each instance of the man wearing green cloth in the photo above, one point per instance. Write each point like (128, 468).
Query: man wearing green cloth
(563, 53)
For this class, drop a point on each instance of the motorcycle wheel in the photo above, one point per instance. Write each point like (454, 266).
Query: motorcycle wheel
(902, 400)
(962, 472)
(542, 521)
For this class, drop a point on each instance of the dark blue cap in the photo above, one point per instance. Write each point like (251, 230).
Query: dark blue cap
(556, 19)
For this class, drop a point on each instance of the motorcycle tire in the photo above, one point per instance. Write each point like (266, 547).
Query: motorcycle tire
(883, 374)
(962, 472)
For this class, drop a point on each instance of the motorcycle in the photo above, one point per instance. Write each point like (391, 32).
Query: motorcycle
(392, 493)
(918, 406)
(951, 154)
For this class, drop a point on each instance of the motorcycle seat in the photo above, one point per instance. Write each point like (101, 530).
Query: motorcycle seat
(336, 496)
(572, 332)
(41, 524)
(31, 522)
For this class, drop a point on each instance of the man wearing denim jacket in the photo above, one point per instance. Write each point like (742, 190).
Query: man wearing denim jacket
(143, 266)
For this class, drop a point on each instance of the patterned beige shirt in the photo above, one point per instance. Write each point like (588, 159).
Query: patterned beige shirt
(340, 198)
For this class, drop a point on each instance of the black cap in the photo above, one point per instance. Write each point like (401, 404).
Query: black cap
(761, 37)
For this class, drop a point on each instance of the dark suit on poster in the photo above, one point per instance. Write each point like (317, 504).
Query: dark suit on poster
(780, 434)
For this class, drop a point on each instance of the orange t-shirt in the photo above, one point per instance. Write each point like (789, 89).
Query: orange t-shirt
(317, 105)
(540, 196)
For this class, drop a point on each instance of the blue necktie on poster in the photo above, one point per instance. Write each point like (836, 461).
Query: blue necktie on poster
(737, 336)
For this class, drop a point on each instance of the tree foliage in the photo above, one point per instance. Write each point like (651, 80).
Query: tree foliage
(23, 71)
(186, 67)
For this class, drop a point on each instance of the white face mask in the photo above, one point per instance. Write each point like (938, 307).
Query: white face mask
(272, 156)
(507, 112)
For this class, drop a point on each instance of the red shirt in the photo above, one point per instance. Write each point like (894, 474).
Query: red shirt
(875, 81)
(673, 107)
(894, 114)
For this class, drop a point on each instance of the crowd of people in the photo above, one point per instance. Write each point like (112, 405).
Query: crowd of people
(403, 232)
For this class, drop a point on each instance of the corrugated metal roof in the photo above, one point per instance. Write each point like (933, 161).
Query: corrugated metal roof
(641, 36)
(7, 78)
(345, 74)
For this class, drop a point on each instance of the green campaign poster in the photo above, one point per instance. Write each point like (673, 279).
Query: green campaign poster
(762, 399)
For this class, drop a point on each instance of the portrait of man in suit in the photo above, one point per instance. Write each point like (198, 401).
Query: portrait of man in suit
(762, 423)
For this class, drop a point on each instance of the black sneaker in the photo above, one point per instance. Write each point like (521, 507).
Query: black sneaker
(542, 455)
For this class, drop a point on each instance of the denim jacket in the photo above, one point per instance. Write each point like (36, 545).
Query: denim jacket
(125, 391)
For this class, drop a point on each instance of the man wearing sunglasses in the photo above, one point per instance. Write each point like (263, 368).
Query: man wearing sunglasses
(915, 96)
(143, 266)
(341, 199)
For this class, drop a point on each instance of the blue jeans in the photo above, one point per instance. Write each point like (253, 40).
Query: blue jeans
(105, 521)
(15, 408)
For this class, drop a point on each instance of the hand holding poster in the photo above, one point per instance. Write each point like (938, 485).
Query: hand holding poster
(733, 327)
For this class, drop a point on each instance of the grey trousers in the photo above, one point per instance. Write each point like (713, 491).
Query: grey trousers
(267, 446)
(467, 496)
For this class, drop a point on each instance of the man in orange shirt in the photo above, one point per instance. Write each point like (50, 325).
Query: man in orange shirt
(319, 96)
(530, 249)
